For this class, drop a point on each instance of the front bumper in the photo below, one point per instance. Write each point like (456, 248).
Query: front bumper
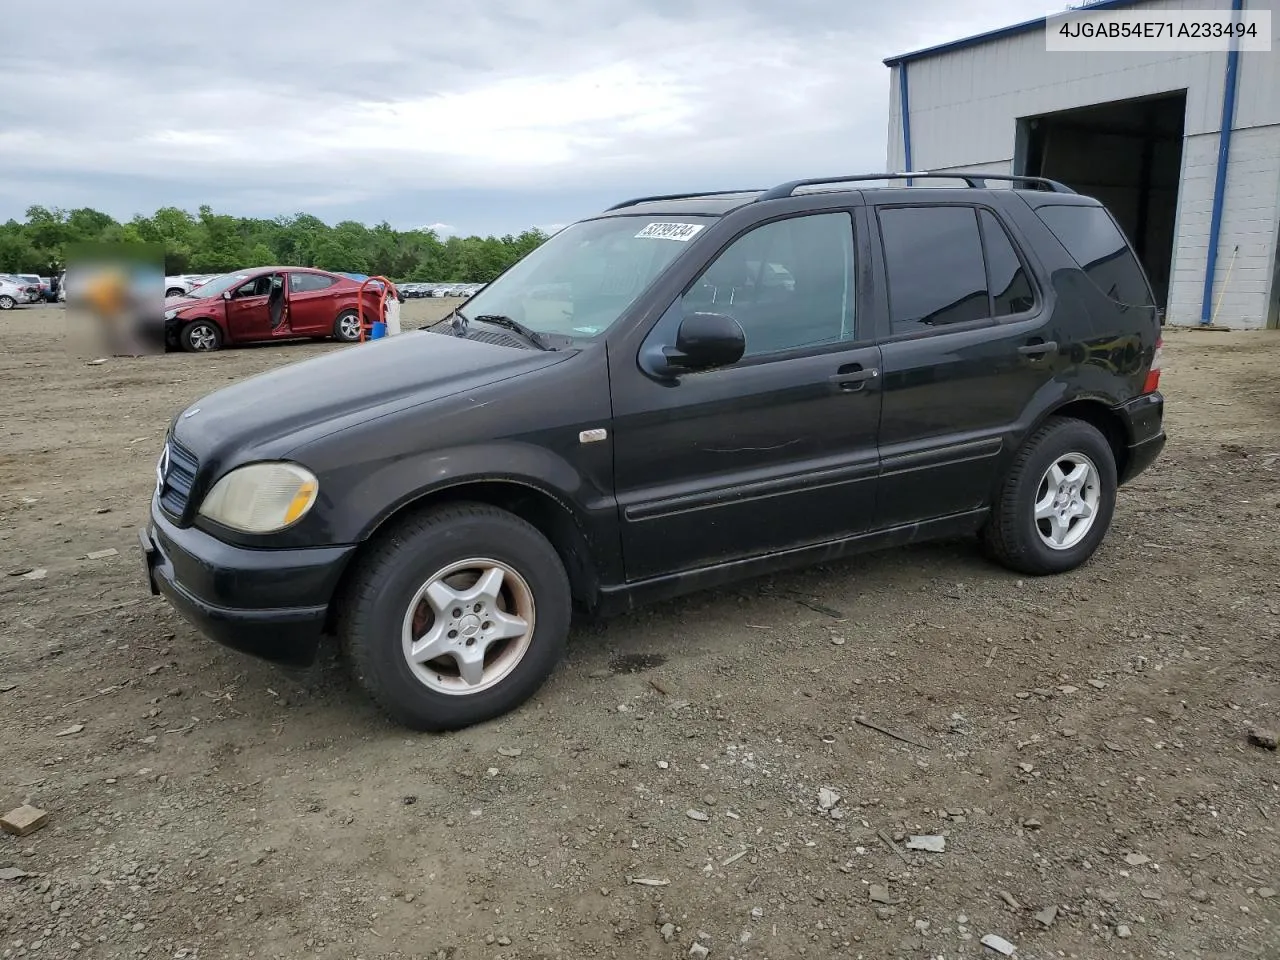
(269, 603)
(1143, 420)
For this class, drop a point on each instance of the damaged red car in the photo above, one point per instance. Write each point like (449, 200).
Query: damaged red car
(268, 303)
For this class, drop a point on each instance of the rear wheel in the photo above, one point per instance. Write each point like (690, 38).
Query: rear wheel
(1057, 501)
(347, 327)
(457, 616)
(174, 292)
(7, 302)
(200, 336)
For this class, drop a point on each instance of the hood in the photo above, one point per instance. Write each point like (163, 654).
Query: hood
(264, 415)
(175, 303)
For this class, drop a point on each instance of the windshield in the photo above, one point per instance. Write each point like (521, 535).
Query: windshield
(579, 282)
(217, 286)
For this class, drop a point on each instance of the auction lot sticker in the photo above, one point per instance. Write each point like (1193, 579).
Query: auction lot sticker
(684, 232)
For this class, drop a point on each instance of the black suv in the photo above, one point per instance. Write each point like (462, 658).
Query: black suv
(675, 394)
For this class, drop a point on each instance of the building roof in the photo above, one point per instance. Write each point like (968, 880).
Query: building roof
(1025, 27)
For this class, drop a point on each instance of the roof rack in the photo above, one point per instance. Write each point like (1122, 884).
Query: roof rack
(679, 196)
(975, 180)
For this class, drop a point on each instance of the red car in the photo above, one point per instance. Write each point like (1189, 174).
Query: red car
(268, 303)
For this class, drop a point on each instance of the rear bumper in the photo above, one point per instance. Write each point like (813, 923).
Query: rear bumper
(1144, 426)
(268, 603)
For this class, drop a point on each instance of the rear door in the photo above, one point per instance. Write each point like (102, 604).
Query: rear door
(312, 306)
(970, 341)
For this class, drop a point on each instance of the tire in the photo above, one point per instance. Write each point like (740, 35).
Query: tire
(174, 292)
(200, 336)
(1015, 538)
(346, 328)
(382, 617)
(7, 302)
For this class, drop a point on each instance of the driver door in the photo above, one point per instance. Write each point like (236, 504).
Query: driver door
(249, 309)
(776, 452)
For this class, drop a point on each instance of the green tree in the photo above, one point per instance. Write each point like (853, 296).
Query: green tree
(208, 242)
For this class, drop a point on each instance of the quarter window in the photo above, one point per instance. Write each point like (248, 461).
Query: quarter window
(1011, 291)
(790, 284)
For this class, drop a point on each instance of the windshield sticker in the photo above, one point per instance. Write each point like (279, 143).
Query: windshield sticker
(683, 232)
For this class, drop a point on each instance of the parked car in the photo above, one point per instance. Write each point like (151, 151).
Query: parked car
(35, 286)
(179, 285)
(13, 293)
(708, 388)
(267, 303)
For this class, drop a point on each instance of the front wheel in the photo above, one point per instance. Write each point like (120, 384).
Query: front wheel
(347, 327)
(1056, 504)
(7, 302)
(200, 336)
(458, 616)
(174, 292)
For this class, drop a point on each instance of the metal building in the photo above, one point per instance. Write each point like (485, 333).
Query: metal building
(1184, 148)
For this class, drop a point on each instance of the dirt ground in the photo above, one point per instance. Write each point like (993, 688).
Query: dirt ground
(1081, 742)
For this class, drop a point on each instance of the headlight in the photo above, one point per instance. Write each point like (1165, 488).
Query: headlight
(170, 314)
(261, 497)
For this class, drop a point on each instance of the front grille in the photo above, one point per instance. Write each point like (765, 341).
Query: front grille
(183, 465)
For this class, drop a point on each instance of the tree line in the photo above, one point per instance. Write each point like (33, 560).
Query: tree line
(211, 242)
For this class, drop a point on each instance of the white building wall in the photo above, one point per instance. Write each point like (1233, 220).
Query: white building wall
(965, 105)
(1250, 221)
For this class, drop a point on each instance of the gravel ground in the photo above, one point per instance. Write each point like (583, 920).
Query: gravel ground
(1081, 742)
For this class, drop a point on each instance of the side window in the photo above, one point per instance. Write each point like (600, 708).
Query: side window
(790, 284)
(308, 282)
(933, 256)
(257, 287)
(1011, 291)
(1100, 249)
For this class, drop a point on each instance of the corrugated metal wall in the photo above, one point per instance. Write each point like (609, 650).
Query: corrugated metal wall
(965, 105)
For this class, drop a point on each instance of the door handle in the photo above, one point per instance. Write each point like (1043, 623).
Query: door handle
(1037, 350)
(853, 376)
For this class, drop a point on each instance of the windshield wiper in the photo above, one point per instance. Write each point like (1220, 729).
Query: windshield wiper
(533, 336)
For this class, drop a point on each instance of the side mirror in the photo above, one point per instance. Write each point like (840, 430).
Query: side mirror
(226, 295)
(704, 341)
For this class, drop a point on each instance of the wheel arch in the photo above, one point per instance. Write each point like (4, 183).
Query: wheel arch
(185, 322)
(1099, 415)
(1088, 409)
(540, 508)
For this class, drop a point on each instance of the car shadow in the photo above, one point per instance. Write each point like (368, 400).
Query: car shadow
(641, 641)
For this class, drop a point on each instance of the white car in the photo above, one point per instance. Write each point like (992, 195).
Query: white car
(11, 294)
(180, 286)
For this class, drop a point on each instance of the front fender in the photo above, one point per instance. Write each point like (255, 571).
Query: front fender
(579, 494)
(399, 483)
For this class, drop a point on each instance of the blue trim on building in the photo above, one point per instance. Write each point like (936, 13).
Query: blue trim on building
(1230, 83)
(904, 106)
(981, 38)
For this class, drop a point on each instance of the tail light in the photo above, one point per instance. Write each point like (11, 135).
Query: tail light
(1153, 375)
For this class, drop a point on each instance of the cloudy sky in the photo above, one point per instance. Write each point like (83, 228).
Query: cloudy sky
(478, 115)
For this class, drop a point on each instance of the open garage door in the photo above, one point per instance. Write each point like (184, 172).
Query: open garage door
(1126, 153)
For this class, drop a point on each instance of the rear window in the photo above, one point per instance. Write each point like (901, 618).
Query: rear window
(1097, 245)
